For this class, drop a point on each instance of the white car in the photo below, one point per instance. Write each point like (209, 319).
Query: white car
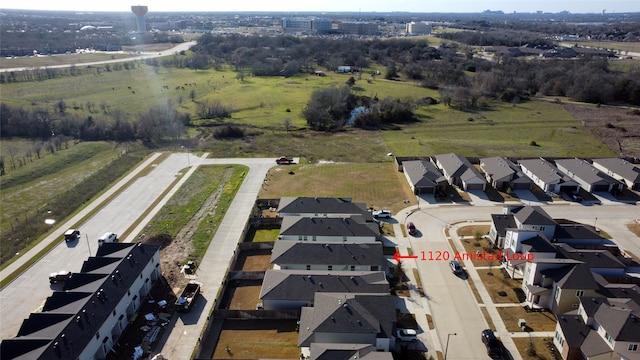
(407, 335)
(382, 214)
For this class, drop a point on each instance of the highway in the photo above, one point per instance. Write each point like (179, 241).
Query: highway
(143, 56)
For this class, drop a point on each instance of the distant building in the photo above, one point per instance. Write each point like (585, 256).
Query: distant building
(359, 28)
(306, 25)
(418, 28)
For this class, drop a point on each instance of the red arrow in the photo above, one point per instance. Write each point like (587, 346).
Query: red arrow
(397, 256)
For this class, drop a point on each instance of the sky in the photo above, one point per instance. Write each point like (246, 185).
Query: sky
(508, 6)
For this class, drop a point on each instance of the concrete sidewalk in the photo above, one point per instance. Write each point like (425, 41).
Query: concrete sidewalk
(56, 234)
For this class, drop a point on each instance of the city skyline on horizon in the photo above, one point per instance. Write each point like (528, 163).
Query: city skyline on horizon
(330, 6)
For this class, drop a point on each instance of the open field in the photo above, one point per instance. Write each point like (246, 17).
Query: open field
(378, 185)
(248, 339)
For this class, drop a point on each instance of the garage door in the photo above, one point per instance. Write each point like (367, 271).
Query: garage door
(602, 187)
(521, 186)
(474, 186)
(425, 190)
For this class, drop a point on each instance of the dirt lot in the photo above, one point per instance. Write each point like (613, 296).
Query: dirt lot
(618, 128)
(253, 339)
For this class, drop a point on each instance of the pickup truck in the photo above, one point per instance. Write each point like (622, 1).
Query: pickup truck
(185, 301)
(60, 276)
(284, 160)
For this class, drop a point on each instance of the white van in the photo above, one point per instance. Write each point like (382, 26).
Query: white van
(108, 237)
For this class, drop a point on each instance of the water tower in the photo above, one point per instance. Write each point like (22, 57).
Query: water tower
(140, 12)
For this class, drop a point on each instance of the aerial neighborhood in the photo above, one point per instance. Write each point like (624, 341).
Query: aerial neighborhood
(252, 180)
(331, 268)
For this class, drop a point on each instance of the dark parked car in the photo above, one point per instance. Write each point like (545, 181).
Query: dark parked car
(494, 347)
(411, 228)
(455, 267)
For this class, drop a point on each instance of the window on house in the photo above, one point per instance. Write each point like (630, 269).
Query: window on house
(353, 268)
(632, 347)
(305, 238)
(313, 238)
(308, 267)
(609, 338)
(98, 335)
(344, 238)
(580, 293)
(299, 237)
(329, 267)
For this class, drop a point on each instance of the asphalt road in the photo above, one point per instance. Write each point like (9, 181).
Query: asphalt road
(452, 305)
(143, 56)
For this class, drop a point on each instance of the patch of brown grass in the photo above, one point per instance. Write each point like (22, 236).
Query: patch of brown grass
(257, 263)
(254, 339)
(245, 297)
(487, 317)
(535, 348)
(536, 321)
(495, 282)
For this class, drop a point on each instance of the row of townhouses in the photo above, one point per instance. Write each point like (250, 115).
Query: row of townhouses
(580, 276)
(428, 176)
(328, 263)
(85, 319)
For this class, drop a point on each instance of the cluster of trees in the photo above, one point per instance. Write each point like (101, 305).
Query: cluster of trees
(46, 73)
(160, 122)
(330, 109)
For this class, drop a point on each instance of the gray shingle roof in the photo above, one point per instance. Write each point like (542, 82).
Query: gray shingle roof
(299, 285)
(321, 205)
(499, 168)
(544, 170)
(533, 215)
(423, 173)
(583, 170)
(293, 252)
(593, 258)
(347, 313)
(458, 166)
(621, 167)
(338, 227)
(575, 331)
(619, 322)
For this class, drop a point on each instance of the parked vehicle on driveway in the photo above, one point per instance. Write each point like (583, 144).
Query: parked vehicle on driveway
(379, 214)
(60, 276)
(411, 228)
(406, 335)
(71, 235)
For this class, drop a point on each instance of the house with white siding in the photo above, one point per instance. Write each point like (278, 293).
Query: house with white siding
(620, 169)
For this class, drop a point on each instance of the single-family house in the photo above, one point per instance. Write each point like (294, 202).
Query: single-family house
(295, 255)
(532, 218)
(601, 262)
(522, 246)
(325, 351)
(86, 319)
(329, 230)
(503, 174)
(423, 177)
(590, 178)
(556, 284)
(293, 289)
(602, 328)
(460, 172)
(349, 318)
(620, 169)
(322, 207)
(548, 177)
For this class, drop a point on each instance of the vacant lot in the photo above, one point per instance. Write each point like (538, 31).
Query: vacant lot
(377, 185)
(245, 297)
(248, 339)
(251, 261)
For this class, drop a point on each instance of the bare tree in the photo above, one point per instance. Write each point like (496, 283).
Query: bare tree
(12, 154)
